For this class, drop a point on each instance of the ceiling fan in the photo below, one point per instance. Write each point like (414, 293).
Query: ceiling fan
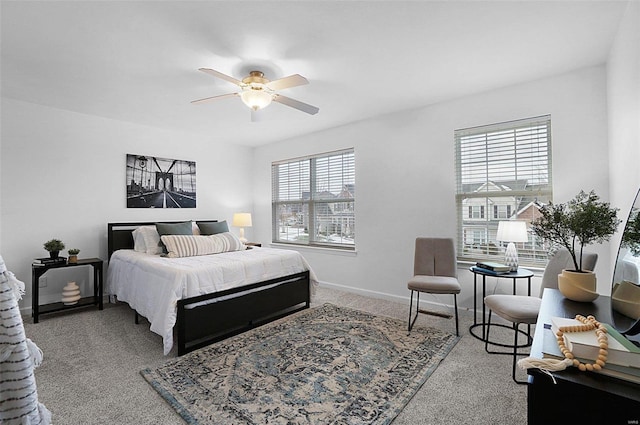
(258, 92)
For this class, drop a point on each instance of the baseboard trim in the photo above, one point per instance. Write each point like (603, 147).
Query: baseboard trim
(385, 296)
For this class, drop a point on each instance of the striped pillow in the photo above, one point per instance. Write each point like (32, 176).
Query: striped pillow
(192, 245)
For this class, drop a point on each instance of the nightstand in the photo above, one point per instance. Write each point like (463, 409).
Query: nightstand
(249, 245)
(38, 271)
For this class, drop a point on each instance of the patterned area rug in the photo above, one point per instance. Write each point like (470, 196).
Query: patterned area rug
(324, 365)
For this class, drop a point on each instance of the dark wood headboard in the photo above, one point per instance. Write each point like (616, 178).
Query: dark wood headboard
(119, 235)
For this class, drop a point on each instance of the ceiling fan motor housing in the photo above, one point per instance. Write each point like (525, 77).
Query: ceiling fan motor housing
(255, 77)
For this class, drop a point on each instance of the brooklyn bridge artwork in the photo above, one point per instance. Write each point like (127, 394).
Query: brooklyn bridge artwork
(160, 183)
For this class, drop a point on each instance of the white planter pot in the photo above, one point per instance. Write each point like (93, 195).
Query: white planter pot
(578, 286)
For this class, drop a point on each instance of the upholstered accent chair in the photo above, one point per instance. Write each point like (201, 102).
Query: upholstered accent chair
(434, 272)
(520, 309)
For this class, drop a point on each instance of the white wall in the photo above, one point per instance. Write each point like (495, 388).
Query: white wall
(623, 95)
(63, 176)
(406, 180)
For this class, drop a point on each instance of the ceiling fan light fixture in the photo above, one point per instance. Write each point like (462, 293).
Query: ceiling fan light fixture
(256, 98)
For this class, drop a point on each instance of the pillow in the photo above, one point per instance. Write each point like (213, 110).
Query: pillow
(213, 227)
(138, 241)
(146, 239)
(182, 228)
(193, 245)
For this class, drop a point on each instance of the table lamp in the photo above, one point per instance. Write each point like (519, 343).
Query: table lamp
(512, 231)
(242, 220)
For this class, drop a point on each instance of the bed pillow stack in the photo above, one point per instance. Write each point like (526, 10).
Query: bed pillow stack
(183, 228)
(193, 245)
(186, 239)
(147, 238)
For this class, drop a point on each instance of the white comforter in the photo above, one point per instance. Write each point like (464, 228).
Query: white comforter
(152, 285)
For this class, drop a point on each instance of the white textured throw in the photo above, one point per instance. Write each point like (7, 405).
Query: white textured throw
(18, 356)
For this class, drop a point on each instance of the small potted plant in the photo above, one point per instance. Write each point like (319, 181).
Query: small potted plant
(581, 221)
(54, 246)
(73, 255)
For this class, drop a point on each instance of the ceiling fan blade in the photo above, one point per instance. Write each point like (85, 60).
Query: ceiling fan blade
(301, 106)
(286, 82)
(209, 99)
(221, 75)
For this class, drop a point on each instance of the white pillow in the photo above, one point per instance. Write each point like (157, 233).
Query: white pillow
(190, 246)
(138, 241)
(151, 240)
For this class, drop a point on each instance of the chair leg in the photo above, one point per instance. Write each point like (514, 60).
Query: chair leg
(486, 341)
(455, 306)
(413, 321)
(516, 326)
(410, 305)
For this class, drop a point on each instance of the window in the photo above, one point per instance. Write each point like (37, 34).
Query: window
(313, 200)
(503, 172)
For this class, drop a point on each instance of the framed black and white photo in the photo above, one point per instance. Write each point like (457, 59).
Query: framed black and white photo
(154, 182)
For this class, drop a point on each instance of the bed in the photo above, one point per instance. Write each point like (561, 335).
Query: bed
(205, 298)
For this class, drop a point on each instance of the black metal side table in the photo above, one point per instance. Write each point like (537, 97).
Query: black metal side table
(38, 270)
(519, 274)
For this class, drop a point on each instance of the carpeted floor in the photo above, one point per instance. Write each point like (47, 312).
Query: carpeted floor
(317, 366)
(90, 373)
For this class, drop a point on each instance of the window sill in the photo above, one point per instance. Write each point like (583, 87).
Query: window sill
(323, 250)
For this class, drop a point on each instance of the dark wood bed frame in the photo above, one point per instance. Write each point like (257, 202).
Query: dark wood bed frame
(200, 325)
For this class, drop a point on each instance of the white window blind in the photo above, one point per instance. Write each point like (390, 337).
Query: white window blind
(503, 172)
(313, 200)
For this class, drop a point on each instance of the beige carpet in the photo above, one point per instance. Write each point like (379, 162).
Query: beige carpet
(90, 373)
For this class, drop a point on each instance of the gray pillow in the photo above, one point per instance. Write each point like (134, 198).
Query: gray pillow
(182, 228)
(212, 227)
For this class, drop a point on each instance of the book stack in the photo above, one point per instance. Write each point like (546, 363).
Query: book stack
(46, 261)
(623, 359)
(491, 267)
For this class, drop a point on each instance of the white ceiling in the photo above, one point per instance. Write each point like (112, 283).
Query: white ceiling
(138, 61)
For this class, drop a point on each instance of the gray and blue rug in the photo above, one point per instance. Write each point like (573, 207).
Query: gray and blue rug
(326, 365)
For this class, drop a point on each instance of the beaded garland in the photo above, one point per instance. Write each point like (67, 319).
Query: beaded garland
(589, 323)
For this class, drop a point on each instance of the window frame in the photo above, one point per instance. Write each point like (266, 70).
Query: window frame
(309, 207)
(514, 149)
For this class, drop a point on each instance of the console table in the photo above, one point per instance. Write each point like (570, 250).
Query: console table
(38, 271)
(578, 397)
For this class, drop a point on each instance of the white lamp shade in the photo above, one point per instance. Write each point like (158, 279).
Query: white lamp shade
(512, 231)
(241, 220)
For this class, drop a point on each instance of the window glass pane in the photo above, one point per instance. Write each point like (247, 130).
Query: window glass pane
(292, 223)
(503, 172)
(335, 223)
(323, 187)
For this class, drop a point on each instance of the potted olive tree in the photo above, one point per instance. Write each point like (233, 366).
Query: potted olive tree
(54, 246)
(582, 221)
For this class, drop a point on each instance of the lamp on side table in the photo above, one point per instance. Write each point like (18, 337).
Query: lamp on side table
(512, 231)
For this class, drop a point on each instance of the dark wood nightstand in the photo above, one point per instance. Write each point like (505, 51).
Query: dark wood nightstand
(38, 270)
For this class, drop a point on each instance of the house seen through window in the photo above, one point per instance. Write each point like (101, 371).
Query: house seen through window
(503, 172)
(313, 200)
